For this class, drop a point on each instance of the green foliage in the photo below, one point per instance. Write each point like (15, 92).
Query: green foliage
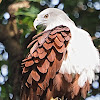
(30, 0)
(25, 18)
(28, 12)
(35, 0)
(6, 90)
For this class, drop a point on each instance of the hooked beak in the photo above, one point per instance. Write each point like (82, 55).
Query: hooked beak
(36, 23)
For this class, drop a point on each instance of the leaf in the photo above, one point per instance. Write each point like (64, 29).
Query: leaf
(35, 0)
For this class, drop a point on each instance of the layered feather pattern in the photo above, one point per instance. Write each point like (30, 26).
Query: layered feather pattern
(44, 60)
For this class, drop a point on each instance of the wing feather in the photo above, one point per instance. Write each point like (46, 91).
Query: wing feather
(45, 58)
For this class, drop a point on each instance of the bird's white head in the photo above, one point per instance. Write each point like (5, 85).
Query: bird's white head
(52, 17)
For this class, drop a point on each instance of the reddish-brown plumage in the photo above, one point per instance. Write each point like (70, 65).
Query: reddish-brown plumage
(68, 77)
(29, 63)
(40, 50)
(58, 43)
(35, 75)
(41, 78)
(34, 47)
(60, 37)
(47, 46)
(35, 54)
(42, 55)
(51, 56)
(85, 89)
(43, 67)
(75, 86)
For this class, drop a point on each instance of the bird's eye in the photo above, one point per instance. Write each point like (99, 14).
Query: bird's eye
(46, 16)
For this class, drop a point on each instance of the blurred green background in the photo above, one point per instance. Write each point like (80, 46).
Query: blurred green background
(16, 31)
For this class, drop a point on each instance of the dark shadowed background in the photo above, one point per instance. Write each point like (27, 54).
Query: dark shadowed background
(16, 31)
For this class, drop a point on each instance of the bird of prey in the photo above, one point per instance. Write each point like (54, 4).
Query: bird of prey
(62, 60)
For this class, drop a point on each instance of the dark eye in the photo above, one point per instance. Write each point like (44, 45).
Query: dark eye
(46, 16)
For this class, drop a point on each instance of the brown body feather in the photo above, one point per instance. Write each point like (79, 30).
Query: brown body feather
(41, 79)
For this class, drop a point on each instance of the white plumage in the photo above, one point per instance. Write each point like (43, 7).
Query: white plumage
(83, 57)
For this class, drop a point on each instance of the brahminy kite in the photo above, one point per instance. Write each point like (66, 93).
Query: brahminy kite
(62, 60)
